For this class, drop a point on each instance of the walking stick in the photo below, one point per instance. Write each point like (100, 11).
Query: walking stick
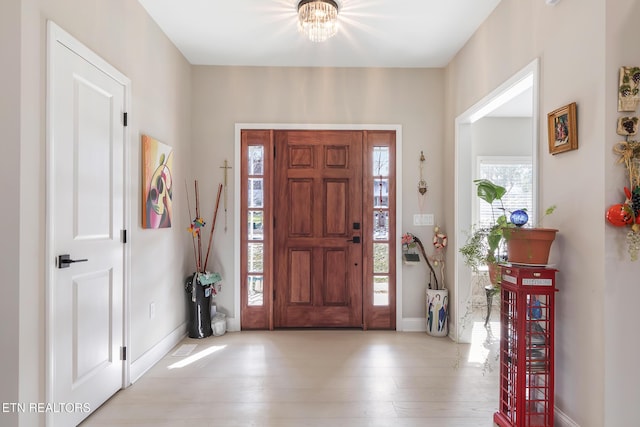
(213, 225)
(193, 237)
(199, 260)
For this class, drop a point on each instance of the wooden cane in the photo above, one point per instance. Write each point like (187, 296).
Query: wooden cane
(424, 254)
(213, 226)
(193, 239)
(199, 262)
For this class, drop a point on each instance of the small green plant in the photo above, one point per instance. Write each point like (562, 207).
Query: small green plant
(477, 252)
(551, 209)
(484, 244)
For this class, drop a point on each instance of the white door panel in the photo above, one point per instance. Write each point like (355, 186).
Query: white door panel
(93, 211)
(87, 212)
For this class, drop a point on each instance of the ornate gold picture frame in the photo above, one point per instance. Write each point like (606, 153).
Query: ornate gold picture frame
(563, 129)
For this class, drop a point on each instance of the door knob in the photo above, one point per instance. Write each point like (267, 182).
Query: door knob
(356, 239)
(65, 260)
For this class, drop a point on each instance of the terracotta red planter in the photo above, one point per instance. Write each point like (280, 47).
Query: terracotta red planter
(529, 245)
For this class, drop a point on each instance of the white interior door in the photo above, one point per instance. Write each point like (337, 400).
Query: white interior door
(85, 199)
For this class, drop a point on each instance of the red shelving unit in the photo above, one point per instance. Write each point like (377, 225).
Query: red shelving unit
(526, 347)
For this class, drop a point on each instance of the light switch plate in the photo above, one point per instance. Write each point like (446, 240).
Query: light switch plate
(427, 219)
(422, 219)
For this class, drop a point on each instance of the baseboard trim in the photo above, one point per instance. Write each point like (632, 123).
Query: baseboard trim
(408, 324)
(563, 420)
(414, 324)
(152, 356)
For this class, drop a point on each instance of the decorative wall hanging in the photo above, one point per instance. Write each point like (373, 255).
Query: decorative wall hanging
(563, 129)
(157, 183)
(627, 126)
(422, 184)
(629, 88)
(627, 214)
(226, 168)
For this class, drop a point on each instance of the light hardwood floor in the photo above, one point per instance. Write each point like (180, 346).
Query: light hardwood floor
(316, 378)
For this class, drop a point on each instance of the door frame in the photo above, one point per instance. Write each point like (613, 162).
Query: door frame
(464, 191)
(55, 35)
(234, 323)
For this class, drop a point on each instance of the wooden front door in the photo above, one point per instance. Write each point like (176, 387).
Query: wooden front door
(318, 229)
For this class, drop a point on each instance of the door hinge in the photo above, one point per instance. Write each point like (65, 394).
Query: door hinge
(274, 294)
(125, 119)
(274, 151)
(274, 223)
(124, 236)
(123, 353)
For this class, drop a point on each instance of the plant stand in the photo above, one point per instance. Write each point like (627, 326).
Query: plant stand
(526, 348)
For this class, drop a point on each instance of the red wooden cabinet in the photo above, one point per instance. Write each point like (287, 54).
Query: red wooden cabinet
(526, 347)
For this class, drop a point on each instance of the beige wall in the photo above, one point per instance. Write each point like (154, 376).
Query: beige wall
(502, 136)
(621, 344)
(10, 196)
(569, 40)
(122, 33)
(413, 98)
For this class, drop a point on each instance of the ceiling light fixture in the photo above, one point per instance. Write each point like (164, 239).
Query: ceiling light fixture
(318, 19)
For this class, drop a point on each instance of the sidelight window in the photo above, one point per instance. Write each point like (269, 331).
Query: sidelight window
(255, 226)
(381, 235)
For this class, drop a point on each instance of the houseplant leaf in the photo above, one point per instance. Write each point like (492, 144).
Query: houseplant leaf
(488, 191)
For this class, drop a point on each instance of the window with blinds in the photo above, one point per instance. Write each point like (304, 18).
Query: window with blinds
(516, 175)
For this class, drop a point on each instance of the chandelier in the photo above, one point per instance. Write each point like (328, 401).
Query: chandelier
(318, 19)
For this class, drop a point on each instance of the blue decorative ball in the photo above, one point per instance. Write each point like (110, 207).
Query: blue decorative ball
(519, 218)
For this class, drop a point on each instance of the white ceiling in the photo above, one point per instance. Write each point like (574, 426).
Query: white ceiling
(373, 33)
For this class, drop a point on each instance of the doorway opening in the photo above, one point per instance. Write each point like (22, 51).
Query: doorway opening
(317, 228)
(499, 133)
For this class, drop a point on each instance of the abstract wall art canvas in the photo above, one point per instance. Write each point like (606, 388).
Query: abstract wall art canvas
(157, 183)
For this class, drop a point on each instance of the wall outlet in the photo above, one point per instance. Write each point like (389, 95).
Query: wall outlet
(152, 310)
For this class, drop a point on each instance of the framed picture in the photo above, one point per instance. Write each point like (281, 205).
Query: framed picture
(157, 183)
(563, 129)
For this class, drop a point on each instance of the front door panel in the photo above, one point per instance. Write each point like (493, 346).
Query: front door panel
(317, 204)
